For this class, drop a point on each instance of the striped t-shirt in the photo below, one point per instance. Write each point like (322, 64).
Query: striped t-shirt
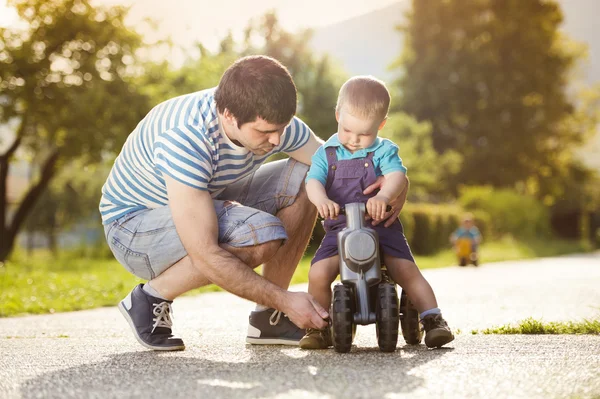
(181, 138)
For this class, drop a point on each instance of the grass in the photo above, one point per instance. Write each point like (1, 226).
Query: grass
(44, 284)
(533, 326)
(41, 283)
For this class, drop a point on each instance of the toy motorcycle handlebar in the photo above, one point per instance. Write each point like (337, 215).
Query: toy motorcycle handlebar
(343, 210)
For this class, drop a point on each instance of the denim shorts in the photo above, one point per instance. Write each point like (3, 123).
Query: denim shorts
(146, 242)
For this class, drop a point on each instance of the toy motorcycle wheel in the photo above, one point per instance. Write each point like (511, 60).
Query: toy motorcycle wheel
(409, 321)
(388, 317)
(342, 318)
(462, 262)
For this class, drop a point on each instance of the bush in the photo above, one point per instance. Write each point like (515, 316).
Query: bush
(509, 212)
(428, 227)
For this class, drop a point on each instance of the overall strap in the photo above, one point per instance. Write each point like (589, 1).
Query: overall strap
(331, 153)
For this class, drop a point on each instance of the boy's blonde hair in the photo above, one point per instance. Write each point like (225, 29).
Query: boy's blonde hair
(366, 97)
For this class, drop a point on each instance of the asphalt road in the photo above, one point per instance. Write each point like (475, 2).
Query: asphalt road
(93, 354)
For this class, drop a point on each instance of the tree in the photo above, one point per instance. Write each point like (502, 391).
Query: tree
(65, 83)
(425, 167)
(317, 79)
(492, 78)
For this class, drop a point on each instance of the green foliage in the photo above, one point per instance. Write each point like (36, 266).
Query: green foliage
(66, 78)
(533, 326)
(491, 77)
(428, 227)
(66, 83)
(425, 167)
(508, 211)
(162, 81)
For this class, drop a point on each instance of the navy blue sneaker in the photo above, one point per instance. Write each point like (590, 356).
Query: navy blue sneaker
(272, 327)
(150, 320)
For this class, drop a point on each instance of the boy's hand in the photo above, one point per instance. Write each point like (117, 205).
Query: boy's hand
(376, 207)
(327, 208)
(397, 204)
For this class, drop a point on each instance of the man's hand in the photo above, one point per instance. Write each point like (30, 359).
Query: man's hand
(304, 310)
(397, 203)
(376, 207)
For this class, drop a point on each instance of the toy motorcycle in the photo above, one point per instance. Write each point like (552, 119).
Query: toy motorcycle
(464, 252)
(366, 294)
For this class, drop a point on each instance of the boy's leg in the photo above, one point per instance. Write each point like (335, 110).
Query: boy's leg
(409, 277)
(320, 277)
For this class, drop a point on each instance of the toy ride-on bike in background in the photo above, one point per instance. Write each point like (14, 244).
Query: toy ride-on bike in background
(367, 294)
(465, 253)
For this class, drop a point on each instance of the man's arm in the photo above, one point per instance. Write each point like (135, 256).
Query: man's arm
(305, 153)
(197, 225)
(396, 204)
(394, 185)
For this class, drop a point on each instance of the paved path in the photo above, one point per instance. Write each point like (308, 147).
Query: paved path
(92, 353)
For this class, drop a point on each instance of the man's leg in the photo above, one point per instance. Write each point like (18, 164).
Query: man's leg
(280, 261)
(148, 245)
(278, 189)
(183, 276)
(298, 220)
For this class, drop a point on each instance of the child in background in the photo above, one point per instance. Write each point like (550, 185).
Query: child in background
(467, 231)
(341, 169)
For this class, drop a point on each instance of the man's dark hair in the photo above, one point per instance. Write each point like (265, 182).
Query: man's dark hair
(257, 86)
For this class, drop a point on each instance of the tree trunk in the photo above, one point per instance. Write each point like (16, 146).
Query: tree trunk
(52, 241)
(9, 233)
(6, 243)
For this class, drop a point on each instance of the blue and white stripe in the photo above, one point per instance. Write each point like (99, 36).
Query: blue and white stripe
(181, 137)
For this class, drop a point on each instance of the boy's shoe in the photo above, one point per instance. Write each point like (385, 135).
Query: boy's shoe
(150, 320)
(316, 339)
(437, 332)
(268, 327)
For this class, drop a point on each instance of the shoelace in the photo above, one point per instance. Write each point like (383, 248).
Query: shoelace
(432, 322)
(275, 317)
(163, 312)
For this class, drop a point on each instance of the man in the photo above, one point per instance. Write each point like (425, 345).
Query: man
(187, 203)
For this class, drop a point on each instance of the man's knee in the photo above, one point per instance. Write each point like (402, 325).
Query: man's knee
(256, 255)
(265, 252)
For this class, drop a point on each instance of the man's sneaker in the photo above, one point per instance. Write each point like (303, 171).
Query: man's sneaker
(316, 339)
(272, 327)
(150, 320)
(437, 332)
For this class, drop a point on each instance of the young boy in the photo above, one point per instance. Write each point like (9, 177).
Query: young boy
(467, 230)
(341, 169)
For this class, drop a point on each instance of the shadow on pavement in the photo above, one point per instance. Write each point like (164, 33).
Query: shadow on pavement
(269, 371)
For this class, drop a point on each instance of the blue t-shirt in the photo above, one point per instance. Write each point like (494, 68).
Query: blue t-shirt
(182, 138)
(385, 158)
(471, 233)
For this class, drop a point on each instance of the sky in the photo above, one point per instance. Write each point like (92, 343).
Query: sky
(187, 21)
